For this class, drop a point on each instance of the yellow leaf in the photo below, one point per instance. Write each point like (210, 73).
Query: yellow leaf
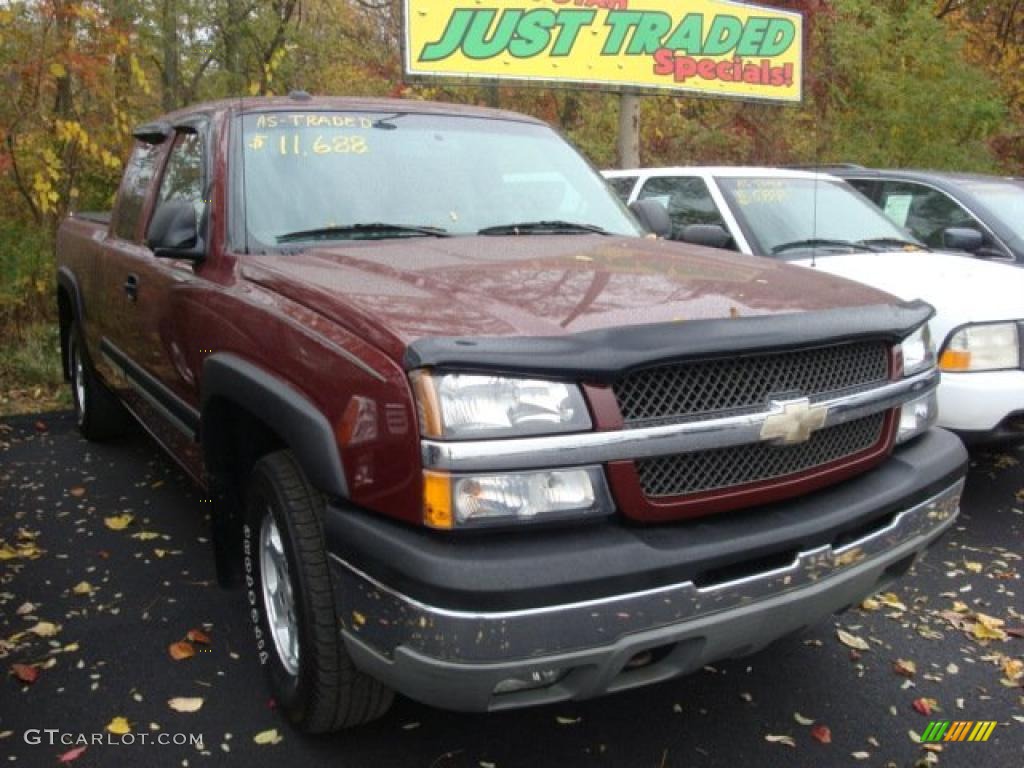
(268, 737)
(973, 567)
(44, 629)
(1013, 669)
(185, 704)
(989, 621)
(119, 726)
(145, 535)
(57, 69)
(892, 601)
(852, 641)
(83, 588)
(984, 632)
(118, 522)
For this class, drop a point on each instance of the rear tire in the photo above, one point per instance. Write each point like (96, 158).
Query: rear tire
(98, 413)
(291, 602)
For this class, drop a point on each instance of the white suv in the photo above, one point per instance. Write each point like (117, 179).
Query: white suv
(821, 222)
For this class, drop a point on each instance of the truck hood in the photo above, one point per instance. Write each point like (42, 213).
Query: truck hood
(962, 289)
(398, 291)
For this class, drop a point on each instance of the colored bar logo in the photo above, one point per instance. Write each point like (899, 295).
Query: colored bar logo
(944, 730)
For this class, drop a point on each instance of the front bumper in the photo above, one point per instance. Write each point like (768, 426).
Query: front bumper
(455, 656)
(981, 402)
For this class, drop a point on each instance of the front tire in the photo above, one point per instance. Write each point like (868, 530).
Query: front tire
(98, 413)
(292, 604)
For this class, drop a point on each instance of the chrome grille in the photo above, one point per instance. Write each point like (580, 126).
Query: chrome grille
(677, 392)
(692, 473)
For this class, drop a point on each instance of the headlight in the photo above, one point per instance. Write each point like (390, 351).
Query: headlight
(461, 406)
(917, 417)
(918, 351)
(454, 501)
(992, 347)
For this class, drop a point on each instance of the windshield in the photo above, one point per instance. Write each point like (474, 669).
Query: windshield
(328, 175)
(778, 214)
(1004, 199)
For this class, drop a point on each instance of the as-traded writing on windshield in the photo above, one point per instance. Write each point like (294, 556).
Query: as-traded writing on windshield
(707, 46)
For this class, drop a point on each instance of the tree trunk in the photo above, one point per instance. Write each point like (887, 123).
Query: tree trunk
(629, 131)
(171, 75)
(123, 21)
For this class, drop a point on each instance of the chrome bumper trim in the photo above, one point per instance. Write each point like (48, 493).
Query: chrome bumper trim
(386, 620)
(651, 442)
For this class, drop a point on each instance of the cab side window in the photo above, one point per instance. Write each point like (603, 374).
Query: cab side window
(132, 197)
(926, 212)
(687, 200)
(622, 186)
(185, 176)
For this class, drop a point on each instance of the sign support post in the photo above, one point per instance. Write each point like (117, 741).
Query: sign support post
(629, 131)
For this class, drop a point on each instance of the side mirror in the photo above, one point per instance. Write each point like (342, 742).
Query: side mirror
(653, 216)
(174, 232)
(710, 235)
(962, 239)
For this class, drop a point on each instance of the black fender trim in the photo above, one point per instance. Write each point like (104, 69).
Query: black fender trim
(605, 355)
(66, 279)
(282, 408)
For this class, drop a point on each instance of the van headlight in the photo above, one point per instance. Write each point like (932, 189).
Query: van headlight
(918, 351)
(466, 406)
(989, 347)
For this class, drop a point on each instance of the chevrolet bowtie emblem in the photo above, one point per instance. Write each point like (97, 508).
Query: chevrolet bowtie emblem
(793, 422)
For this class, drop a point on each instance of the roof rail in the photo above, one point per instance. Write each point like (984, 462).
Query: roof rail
(822, 166)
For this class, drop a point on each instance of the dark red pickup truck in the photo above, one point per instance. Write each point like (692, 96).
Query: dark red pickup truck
(472, 436)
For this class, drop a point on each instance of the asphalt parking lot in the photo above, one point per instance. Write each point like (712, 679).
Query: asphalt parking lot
(104, 564)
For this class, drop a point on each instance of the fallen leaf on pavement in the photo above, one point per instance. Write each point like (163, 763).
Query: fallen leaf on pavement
(185, 704)
(268, 737)
(83, 588)
(25, 608)
(25, 672)
(72, 754)
(181, 650)
(803, 720)
(78, 491)
(44, 629)
(925, 706)
(822, 733)
(568, 720)
(118, 522)
(904, 668)
(119, 726)
(198, 636)
(1013, 669)
(852, 641)
(145, 535)
(892, 600)
(789, 741)
(860, 755)
(973, 567)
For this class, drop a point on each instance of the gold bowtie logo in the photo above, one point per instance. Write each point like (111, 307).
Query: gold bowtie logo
(793, 422)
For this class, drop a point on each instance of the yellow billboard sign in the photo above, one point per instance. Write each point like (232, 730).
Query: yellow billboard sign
(712, 47)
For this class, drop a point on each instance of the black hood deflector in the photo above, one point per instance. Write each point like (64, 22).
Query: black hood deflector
(605, 355)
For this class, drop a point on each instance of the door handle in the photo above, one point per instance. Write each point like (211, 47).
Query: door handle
(131, 287)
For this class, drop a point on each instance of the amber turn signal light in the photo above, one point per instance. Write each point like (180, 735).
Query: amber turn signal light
(437, 501)
(955, 360)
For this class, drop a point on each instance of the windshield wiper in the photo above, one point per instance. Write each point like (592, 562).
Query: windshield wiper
(819, 243)
(375, 228)
(899, 242)
(544, 228)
